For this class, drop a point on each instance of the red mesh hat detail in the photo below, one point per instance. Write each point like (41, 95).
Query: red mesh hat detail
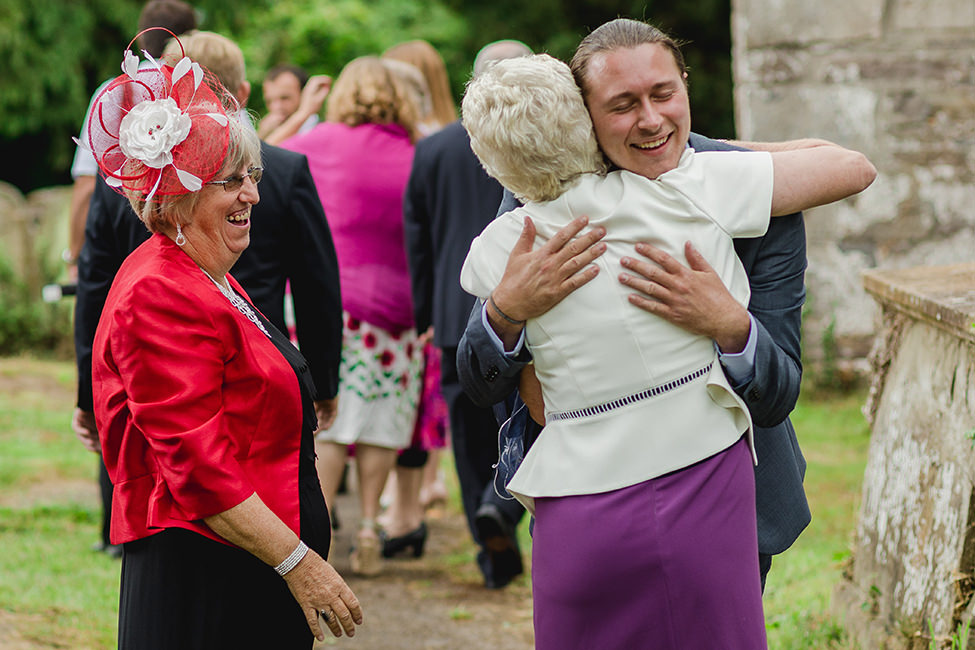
(161, 130)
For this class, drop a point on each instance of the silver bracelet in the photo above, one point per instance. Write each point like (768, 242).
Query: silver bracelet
(513, 321)
(292, 560)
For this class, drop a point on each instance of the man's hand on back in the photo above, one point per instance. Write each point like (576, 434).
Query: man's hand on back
(691, 297)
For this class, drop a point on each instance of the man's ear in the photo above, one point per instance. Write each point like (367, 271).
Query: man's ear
(243, 93)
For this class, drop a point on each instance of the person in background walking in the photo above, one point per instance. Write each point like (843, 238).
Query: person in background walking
(293, 100)
(360, 159)
(449, 200)
(417, 481)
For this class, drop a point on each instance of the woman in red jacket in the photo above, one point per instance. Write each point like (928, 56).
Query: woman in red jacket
(204, 409)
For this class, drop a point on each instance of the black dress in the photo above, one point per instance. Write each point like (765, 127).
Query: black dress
(183, 591)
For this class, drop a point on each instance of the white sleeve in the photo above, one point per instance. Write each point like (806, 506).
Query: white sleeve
(84, 162)
(488, 255)
(735, 189)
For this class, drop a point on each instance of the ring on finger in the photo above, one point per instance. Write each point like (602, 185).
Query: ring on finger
(326, 615)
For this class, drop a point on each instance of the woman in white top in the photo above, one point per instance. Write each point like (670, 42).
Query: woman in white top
(628, 397)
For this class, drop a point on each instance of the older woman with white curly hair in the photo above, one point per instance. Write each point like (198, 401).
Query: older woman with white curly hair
(529, 127)
(641, 479)
(203, 407)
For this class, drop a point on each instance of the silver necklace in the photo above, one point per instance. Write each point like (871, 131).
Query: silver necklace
(239, 303)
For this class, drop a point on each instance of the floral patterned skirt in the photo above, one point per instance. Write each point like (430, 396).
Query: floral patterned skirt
(380, 379)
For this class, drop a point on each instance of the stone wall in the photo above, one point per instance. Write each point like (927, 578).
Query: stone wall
(896, 80)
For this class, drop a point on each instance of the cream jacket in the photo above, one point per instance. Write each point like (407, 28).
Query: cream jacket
(595, 353)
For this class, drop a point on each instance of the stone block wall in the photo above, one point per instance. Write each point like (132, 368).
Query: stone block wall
(896, 80)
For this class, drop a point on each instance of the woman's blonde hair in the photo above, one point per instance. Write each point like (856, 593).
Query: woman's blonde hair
(530, 128)
(414, 84)
(425, 57)
(369, 92)
(164, 212)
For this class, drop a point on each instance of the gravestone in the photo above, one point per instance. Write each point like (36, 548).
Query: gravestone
(912, 574)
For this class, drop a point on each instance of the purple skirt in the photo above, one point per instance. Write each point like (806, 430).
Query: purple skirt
(667, 564)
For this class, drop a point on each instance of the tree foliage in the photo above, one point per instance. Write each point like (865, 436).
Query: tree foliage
(56, 53)
(323, 36)
(48, 74)
(557, 26)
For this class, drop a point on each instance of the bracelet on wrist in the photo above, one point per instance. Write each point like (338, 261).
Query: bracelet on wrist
(292, 560)
(503, 315)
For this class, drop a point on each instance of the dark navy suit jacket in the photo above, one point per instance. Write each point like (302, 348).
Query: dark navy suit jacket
(290, 241)
(775, 264)
(441, 220)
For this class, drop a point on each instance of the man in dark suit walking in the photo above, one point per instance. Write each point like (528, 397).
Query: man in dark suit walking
(765, 371)
(290, 242)
(449, 200)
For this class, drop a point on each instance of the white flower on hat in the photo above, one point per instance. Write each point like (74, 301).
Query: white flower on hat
(140, 135)
(151, 129)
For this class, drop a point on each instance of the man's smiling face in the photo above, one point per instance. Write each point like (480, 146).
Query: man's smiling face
(638, 101)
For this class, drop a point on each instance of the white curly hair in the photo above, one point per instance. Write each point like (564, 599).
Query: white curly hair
(530, 128)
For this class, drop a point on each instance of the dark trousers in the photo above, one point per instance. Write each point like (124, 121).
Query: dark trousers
(764, 566)
(105, 487)
(474, 438)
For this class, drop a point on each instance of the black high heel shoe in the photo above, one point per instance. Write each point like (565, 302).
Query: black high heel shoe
(414, 539)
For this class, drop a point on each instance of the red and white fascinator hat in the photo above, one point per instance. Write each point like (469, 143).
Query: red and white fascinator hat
(160, 129)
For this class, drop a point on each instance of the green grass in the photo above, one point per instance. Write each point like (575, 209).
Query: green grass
(58, 593)
(37, 441)
(834, 437)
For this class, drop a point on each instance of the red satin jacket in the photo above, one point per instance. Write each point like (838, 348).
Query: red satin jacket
(196, 409)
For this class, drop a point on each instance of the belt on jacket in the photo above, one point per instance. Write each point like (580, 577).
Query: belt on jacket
(653, 391)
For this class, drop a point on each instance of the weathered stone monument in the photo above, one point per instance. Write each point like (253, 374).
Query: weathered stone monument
(912, 576)
(896, 80)
(33, 231)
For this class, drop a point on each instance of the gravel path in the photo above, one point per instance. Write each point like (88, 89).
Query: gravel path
(437, 601)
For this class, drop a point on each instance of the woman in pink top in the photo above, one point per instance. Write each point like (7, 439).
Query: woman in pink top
(360, 158)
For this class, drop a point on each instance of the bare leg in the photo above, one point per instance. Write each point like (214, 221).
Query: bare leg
(405, 513)
(433, 491)
(331, 463)
(373, 465)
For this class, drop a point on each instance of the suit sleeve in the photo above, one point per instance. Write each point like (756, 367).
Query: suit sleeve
(314, 276)
(419, 241)
(776, 277)
(99, 261)
(486, 374)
